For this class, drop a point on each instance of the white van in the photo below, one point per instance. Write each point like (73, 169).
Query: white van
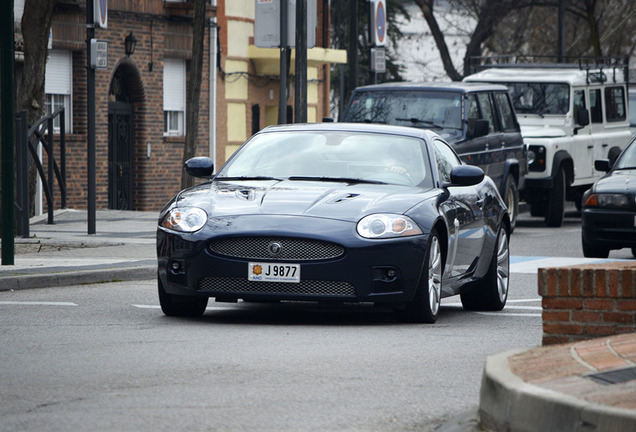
(570, 115)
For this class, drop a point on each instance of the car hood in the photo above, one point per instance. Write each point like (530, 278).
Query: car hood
(620, 181)
(541, 132)
(333, 200)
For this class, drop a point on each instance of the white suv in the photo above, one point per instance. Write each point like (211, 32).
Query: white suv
(570, 115)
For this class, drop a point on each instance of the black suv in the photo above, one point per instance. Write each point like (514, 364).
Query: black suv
(478, 120)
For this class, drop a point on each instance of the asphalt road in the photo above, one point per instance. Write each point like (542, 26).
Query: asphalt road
(104, 358)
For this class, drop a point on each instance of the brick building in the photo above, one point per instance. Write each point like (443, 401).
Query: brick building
(140, 97)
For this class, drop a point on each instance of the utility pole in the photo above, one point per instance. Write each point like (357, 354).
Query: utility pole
(8, 132)
(284, 69)
(300, 85)
(561, 32)
(352, 54)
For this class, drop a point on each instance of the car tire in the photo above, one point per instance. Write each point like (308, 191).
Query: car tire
(424, 308)
(180, 306)
(491, 293)
(591, 250)
(556, 201)
(511, 199)
(634, 252)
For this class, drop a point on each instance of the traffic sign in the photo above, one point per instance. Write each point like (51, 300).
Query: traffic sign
(378, 20)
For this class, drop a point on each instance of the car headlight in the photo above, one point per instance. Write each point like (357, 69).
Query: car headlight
(185, 219)
(387, 226)
(607, 200)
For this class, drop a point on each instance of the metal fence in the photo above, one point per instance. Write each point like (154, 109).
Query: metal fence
(28, 137)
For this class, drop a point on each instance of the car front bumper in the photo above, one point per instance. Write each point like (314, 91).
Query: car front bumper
(613, 229)
(378, 271)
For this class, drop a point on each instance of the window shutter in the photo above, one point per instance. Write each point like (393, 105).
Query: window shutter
(58, 75)
(174, 85)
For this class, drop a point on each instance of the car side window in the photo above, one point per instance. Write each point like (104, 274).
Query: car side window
(615, 104)
(487, 112)
(596, 106)
(506, 116)
(446, 159)
(579, 102)
(472, 113)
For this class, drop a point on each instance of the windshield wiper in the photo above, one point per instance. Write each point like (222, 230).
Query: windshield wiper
(335, 179)
(264, 178)
(419, 121)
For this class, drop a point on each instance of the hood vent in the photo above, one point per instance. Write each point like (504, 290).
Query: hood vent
(246, 194)
(344, 197)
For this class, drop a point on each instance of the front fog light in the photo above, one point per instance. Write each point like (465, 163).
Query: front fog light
(185, 219)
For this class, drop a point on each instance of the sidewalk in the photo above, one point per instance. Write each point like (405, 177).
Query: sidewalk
(584, 386)
(123, 248)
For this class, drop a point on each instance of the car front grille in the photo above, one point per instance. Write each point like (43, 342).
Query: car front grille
(276, 248)
(237, 286)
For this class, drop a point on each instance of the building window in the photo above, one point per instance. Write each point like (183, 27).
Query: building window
(58, 86)
(174, 97)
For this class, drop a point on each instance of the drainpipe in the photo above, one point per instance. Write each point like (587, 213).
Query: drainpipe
(212, 87)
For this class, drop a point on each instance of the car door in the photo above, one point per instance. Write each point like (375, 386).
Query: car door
(465, 218)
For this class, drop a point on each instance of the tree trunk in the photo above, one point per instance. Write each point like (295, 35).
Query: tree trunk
(194, 89)
(36, 24)
(427, 10)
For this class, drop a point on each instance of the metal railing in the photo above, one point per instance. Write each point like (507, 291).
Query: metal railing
(27, 139)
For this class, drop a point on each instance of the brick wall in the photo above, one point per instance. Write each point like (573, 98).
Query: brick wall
(587, 301)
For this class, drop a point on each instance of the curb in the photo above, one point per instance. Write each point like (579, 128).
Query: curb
(81, 277)
(509, 403)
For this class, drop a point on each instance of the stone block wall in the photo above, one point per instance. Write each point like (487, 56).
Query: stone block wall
(583, 302)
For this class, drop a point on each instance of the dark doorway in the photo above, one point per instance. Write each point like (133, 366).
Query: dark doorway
(120, 145)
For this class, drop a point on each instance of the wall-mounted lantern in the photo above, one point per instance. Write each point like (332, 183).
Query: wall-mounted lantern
(131, 43)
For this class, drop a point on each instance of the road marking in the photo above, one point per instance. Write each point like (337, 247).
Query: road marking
(37, 303)
(509, 314)
(531, 264)
(141, 306)
(524, 300)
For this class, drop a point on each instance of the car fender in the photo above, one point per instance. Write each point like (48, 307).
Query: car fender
(511, 169)
(563, 159)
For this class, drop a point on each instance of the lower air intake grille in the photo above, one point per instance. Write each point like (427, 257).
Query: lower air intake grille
(309, 287)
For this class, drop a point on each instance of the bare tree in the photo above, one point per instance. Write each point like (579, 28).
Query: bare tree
(194, 88)
(593, 28)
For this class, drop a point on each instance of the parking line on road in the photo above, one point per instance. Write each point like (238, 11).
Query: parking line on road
(37, 303)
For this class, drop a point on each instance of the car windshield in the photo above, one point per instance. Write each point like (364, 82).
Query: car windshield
(331, 156)
(540, 98)
(424, 109)
(627, 159)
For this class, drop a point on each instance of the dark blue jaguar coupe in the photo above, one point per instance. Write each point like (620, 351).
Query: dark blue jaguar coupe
(336, 212)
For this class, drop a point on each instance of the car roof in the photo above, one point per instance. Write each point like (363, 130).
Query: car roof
(572, 76)
(455, 86)
(354, 127)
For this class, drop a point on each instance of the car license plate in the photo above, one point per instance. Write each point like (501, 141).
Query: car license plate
(273, 272)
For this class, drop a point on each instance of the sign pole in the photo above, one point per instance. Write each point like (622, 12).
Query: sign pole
(90, 117)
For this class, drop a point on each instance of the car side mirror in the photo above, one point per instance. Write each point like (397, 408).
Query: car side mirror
(466, 175)
(602, 165)
(481, 128)
(199, 167)
(582, 119)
